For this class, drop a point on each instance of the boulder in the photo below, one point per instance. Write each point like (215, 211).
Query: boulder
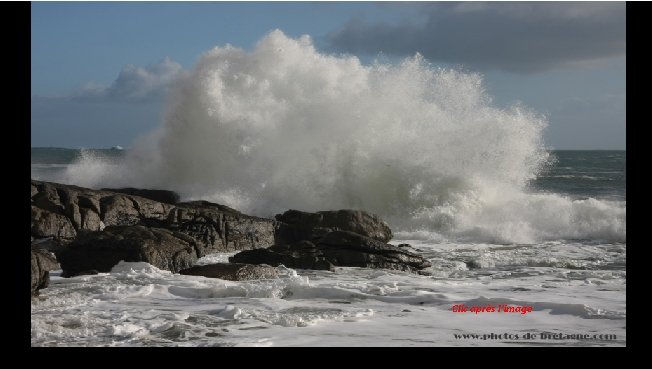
(337, 248)
(298, 225)
(103, 249)
(42, 263)
(232, 271)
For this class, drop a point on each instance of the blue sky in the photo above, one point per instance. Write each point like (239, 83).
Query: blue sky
(100, 70)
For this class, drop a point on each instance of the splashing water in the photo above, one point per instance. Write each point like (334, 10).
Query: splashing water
(285, 126)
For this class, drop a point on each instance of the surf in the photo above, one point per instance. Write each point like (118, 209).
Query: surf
(285, 125)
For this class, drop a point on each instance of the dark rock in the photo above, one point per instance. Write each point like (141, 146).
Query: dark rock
(473, 264)
(119, 210)
(90, 203)
(344, 248)
(48, 202)
(337, 248)
(300, 255)
(42, 263)
(48, 244)
(298, 225)
(218, 228)
(233, 271)
(108, 227)
(102, 250)
(47, 260)
(63, 211)
(46, 223)
(168, 197)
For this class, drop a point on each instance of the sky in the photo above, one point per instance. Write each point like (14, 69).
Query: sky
(101, 70)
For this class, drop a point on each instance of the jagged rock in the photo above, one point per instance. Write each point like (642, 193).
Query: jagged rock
(75, 209)
(338, 248)
(90, 220)
(172, 236)
(232, 271)
(42, 263)
(218, 228)
(351, 249)
(90, 203)
(102, 250)
(47, 202)
(63, 211)
(301, 255)
(119, 210)
(298, 225)
(49, 224)
(168, 197)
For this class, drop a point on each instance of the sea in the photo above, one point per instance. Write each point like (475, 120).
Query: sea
(575, 286)
(469, 182)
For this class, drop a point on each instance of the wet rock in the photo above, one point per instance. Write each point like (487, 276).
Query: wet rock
(63, 211)
(298, 225)
(301, 255)
(103, 249)
(218, 228)
(98, 228)
(46, 223)
(42, 263)
(337, 248)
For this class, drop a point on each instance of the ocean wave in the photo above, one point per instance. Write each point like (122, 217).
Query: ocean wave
(286, 126)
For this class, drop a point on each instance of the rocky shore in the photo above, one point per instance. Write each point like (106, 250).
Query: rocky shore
(85, 231)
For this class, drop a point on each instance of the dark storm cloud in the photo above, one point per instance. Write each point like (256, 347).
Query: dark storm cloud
(515, 37)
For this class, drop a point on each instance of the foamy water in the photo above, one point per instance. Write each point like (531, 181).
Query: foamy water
(573, 289)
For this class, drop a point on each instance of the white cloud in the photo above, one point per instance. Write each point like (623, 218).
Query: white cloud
(135, 83)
